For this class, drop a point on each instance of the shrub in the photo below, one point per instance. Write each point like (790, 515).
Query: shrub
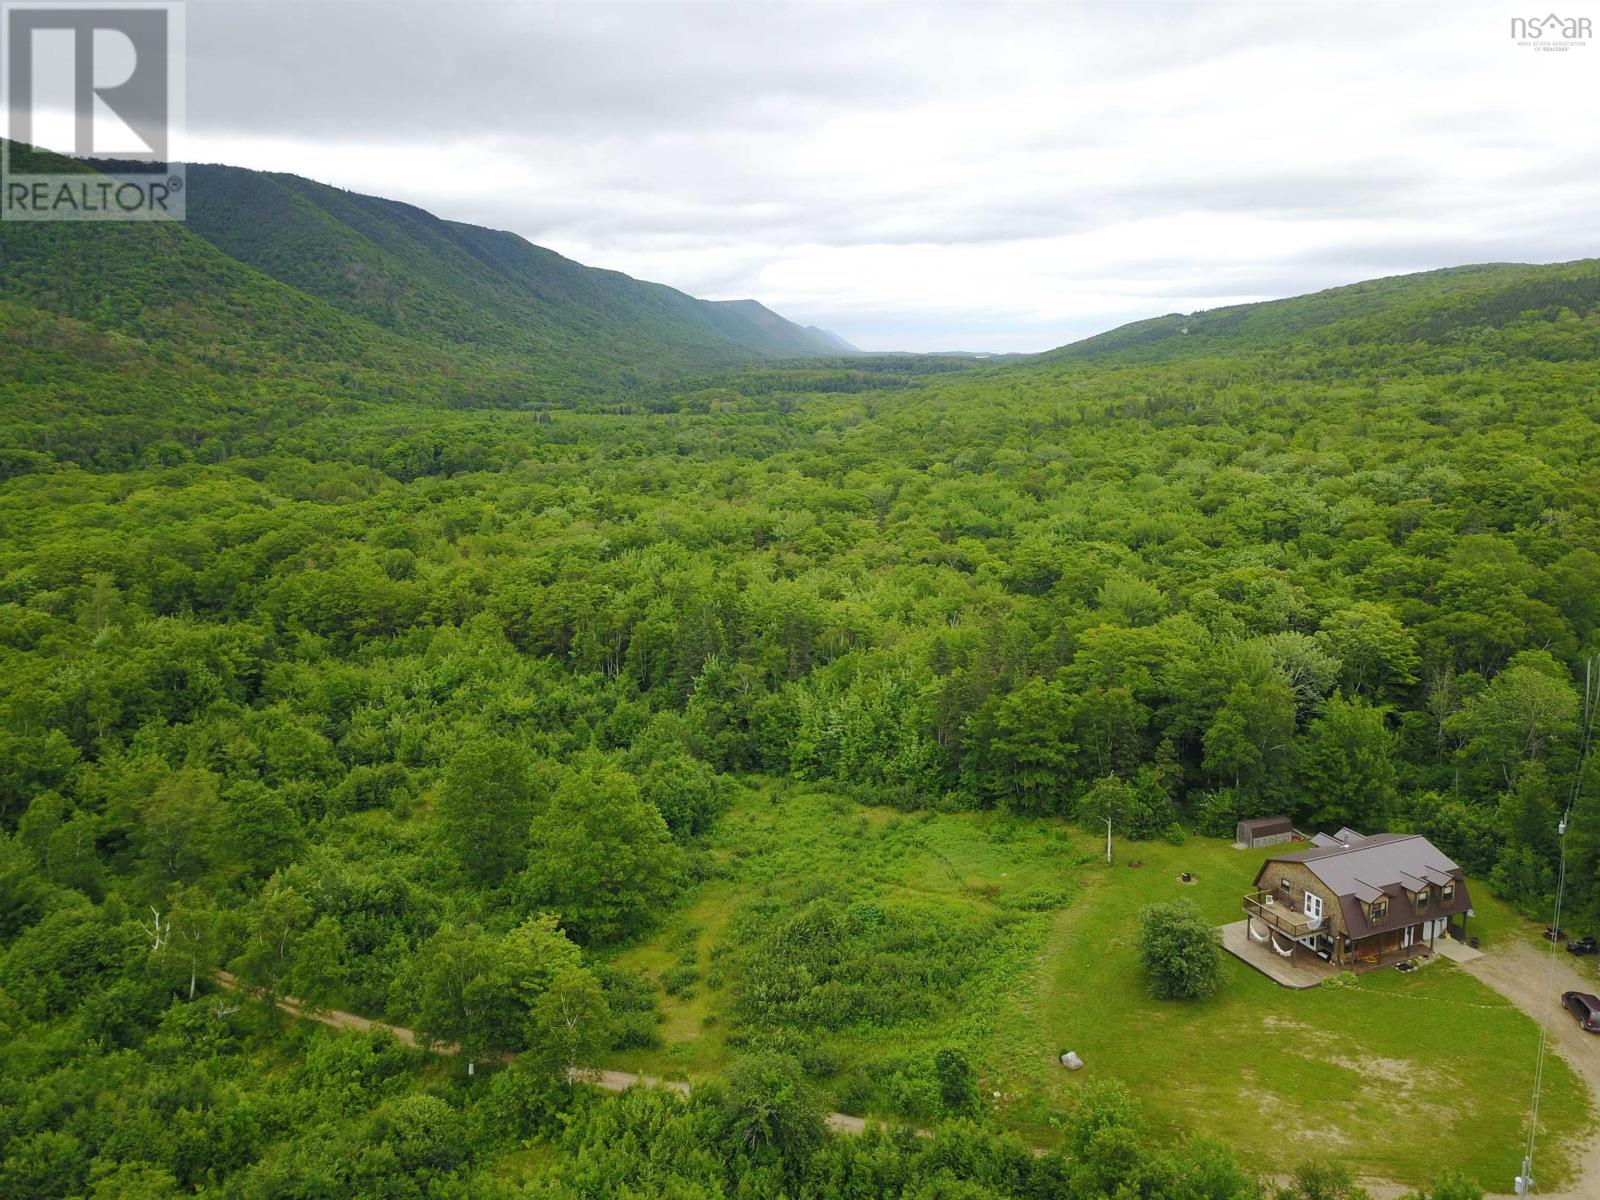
(913, 1092)
(680, 980)
(626, 991)
(424, 1132)
(1180, 951)
(635, 1031)
(1038, 899)
(857, 1093)
(958, 1081)
(1321, 1181)
(519, 1103)
(1452, 1185)
(769, 1103)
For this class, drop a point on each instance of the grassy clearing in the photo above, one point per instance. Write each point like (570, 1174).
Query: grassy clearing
(1399, 1076)
(955, 874)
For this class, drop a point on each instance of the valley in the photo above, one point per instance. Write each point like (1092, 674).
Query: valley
(416, 624)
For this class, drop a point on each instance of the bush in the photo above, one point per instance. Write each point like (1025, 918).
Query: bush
(1452, 1185)
(635, 1031)
(1180, 951)
(1038, 899)
(424, 1132)
(769, 1104)
(680, 980)
(1321, 1181)
(519, 1103)
(626, 991)
(958, 1082)
(815, 1056)
(857, 1093)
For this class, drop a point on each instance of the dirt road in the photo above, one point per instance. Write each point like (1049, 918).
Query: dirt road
(607, 1081)
(1514, 969)
(1523, 976)
(330, 1017)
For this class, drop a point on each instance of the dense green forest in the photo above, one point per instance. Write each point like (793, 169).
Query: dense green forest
(346, 659)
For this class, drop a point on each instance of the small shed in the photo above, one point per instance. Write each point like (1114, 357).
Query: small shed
(1263, 831)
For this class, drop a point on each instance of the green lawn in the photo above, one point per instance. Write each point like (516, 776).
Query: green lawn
(1398, 1077)
(1283, 1074)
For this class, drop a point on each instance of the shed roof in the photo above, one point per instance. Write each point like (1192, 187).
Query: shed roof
(1268, 825)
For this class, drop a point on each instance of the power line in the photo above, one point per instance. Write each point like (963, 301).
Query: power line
(1591, 685)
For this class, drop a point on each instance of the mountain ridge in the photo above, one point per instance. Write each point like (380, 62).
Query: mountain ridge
(407, 268)
(555, 330)
(1423, 306)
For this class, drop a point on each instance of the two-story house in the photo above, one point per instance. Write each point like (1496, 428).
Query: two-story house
(1356, 900)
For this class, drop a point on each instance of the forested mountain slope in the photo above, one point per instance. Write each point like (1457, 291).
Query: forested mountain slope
(306, 296)
(363, 691)
(438, 280)
(1439, 307)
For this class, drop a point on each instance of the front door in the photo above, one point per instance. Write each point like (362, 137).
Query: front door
(1405, 941)
(1314, 906)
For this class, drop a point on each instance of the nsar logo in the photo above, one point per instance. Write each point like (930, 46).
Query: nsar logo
(1552, 32)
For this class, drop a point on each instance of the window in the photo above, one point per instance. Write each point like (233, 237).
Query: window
(1448, 893)
(1422, 900)
(1379, 910)
(1314, 906)
(1286, 886)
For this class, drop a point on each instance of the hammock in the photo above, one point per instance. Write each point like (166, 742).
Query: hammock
(1289, 953)
(1250, 928)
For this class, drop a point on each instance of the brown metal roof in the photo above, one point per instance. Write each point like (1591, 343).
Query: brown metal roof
(1385, 864)
(1268, 825)
(1366, 892)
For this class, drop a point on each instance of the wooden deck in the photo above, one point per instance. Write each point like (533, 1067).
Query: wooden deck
(1286, 918)
(1304, 970)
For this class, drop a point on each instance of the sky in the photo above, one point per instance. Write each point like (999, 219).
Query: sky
(925, 176)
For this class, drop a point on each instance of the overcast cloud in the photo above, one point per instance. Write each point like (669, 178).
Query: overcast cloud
(914, 176)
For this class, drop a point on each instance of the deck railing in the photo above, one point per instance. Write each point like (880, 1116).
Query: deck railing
(1281, 916)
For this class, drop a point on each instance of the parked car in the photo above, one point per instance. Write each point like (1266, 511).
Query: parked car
(1585, 1007)
(1584, 945)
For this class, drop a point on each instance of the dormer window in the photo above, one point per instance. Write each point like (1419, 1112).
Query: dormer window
(1380, 910)
(1422, 900)
(1447, 893)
